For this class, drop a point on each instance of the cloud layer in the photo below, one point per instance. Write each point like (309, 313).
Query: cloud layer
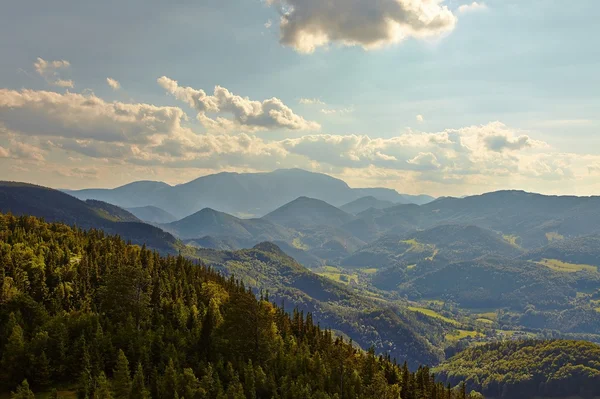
(95, 135)
(308, 24)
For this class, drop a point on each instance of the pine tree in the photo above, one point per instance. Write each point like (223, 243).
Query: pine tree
(23, 392)
(42, 376)
(122, 377)
(102, 390)
(169, 386)
(13, 359)
(138, 386)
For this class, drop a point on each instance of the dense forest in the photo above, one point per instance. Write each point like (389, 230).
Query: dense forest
(527, 369)
(84, 311)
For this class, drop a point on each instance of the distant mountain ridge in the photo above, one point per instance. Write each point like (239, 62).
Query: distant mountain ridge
(240, 194)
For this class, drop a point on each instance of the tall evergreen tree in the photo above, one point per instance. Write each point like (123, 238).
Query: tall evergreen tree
(23, 392)
(122, 377)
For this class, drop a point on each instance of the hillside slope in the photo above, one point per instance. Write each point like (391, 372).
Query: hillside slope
(527, 369)
(97, 318)
(368, 323)
(305, 212)
(56, 206)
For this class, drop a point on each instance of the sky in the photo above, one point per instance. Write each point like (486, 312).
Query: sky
(424, 96)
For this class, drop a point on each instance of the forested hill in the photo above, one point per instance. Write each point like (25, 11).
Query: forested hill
(85, 312)
(528, 369)
(56, 206)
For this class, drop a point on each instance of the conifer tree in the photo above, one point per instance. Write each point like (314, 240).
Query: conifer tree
(138, 386)
(23, 392)
(102, 390)
(122, 377)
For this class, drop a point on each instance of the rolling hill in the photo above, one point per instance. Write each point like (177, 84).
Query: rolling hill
(56, 206)
(527, 369)
(578, 251)
(362, 204)
(494, 283)
(307, 212)
(528, 219)
(209, 222)
(449, 242)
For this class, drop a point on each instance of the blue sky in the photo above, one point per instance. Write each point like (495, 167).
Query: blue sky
(425, 96)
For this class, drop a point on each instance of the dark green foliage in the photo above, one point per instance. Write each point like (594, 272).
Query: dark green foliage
(101, 305)
(23, 392)
(496, 283)
(581, 250)
(526, 369)
(368, 323)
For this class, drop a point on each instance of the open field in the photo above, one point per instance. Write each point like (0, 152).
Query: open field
(460, 334)
(565, 267)
(434, 314)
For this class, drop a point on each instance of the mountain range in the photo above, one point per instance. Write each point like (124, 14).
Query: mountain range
(241, 194)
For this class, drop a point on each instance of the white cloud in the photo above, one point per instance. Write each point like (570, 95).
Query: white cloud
(308, 24)
(420, 118)
(474, 6)
(114, 84)
(249, 115)
(268, 24)
(46, 113)
(311, 101)
(49, 70)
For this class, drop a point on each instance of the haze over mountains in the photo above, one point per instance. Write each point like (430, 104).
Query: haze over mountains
(241, 194)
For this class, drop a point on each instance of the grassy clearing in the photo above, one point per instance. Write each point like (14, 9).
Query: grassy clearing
(460, 334)
(492, 316)
(340, 277)
(297, 243)
(434, 314)
(565, 267)
(410, 267)
(484, 321)
(554, 236)
(369, 271)
(511, 239)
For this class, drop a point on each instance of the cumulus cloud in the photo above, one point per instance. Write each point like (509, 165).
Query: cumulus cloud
(114, 84)
(474, 6)
(49, 70)
(46, 113)
(308, 24)
(4, 152)
(420, 118)
(249, 115)
(268, 24)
